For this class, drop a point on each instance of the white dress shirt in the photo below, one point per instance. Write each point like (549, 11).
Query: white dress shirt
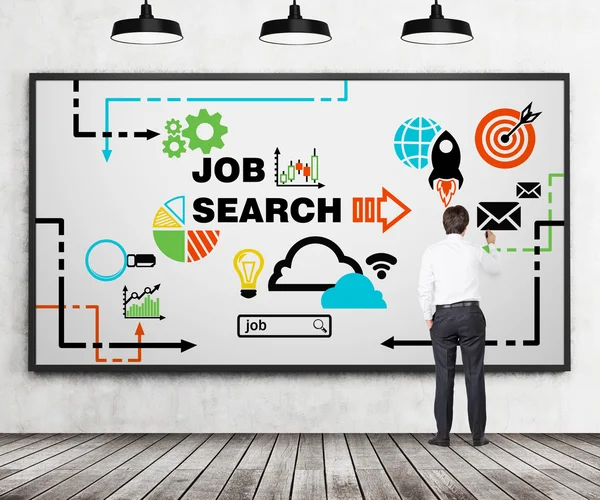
(450, 272)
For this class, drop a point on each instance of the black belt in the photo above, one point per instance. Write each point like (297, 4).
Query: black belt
(459, 304)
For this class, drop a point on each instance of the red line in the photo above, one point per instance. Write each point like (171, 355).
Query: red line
(213, 237)
(196, 242)
(207, 244)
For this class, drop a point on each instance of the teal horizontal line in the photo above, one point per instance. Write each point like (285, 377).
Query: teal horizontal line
(250, 99)
(154, 99)
(326, 99)
(123, 99)
(173, 99)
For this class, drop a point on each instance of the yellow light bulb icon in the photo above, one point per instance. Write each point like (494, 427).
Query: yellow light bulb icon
(248, 264)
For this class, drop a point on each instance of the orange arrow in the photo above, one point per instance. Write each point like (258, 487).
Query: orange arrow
(385, 196)
(139, 333)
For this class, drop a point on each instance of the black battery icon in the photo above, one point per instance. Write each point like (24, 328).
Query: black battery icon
(141, 260)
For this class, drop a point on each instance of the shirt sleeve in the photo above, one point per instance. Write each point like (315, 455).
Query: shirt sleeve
(490, 261)
(426, 284)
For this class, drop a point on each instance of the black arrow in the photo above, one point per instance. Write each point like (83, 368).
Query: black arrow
(139, 297)
(184, 345)
(148, 134)
(318, 186)
(391, 342)
(146, 317)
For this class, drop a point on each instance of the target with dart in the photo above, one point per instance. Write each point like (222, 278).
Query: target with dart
(505, 138)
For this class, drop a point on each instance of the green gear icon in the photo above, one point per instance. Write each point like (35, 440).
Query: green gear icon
(173, 126)
(174, 146)
(218, 131)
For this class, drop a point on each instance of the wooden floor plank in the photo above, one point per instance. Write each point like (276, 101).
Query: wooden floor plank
(526, 472)
(578, 443)
(362, 452)
(102, 453)
(557, 457)
(115, 479)
(57, 476)
(244, 480)
(20, 443)
(51, 451)
(11, 438)
(195, 464)
(174, 485)
(403, 475)
(242, 484)
(83, 479)
(418, 456)
(376, 485)
(577, 483)
(147, 480)
(523, 477)
(276, 482)
(523, 453)
(473, 480)
(210, 483)
(204, 455)
(473, 454)
(513, 485)
(258, 453)
(34, 447)
(39, 485)
(309, 477)
(444, 485)
(567, 449)
(41, 468)
(340, 477)
(588, 438)
(310, 452)
(309, 485)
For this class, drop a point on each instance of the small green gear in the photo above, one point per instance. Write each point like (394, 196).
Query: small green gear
(178, 150)
(215, 141)
(173, 126)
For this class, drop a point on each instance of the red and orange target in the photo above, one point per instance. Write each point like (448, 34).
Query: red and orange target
(503, 140)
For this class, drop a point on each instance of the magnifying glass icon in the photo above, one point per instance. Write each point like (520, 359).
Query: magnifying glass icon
(318, 325)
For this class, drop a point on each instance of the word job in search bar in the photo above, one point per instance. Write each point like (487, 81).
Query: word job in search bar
(284, 325)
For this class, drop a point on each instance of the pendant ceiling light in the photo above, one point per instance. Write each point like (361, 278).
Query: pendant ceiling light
(437, 30)
(295, 30)
(146, 30)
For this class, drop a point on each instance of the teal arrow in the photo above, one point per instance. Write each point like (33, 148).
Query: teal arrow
(106, 152)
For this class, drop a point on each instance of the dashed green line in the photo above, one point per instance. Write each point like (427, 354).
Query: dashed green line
(551, 178)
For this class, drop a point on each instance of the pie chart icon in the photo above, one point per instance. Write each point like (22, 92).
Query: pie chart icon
(174, 240)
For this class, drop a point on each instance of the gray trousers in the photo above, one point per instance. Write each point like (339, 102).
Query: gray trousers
(464, 326)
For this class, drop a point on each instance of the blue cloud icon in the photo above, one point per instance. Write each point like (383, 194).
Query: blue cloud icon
(353, 291)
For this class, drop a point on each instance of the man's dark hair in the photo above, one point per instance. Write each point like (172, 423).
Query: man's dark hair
(456, 219)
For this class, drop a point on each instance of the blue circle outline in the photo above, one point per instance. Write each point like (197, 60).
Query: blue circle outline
(101, 277)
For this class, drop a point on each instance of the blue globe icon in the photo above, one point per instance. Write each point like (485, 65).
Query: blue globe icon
(413, 139)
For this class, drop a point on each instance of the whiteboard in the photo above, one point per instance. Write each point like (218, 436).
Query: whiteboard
(276, 222)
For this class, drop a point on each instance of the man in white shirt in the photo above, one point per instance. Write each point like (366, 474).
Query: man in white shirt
(449, 296)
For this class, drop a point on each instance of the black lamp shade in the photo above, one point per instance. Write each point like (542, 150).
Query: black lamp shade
(146, 30)
(437, 30)
(295, 30)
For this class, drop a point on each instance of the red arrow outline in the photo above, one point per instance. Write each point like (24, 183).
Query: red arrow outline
(385, 196)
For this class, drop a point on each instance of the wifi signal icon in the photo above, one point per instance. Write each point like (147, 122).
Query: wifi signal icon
(382, 263)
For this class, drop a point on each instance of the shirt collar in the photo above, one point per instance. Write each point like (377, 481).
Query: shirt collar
(454, 237)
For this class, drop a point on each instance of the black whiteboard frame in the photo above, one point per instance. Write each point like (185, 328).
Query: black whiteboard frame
(35, 77)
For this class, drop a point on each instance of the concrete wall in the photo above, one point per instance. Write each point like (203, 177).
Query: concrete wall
(221, 36)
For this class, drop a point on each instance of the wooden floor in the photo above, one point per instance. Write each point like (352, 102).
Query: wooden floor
(297, 466)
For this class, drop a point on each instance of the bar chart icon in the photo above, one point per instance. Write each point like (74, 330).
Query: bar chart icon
(142, 305)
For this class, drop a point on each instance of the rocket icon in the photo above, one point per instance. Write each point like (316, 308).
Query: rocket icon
(445, 160)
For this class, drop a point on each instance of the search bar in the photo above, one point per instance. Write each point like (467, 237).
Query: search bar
(284, 325)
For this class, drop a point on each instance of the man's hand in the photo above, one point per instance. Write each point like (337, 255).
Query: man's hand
(429, 323)
(490, 238)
